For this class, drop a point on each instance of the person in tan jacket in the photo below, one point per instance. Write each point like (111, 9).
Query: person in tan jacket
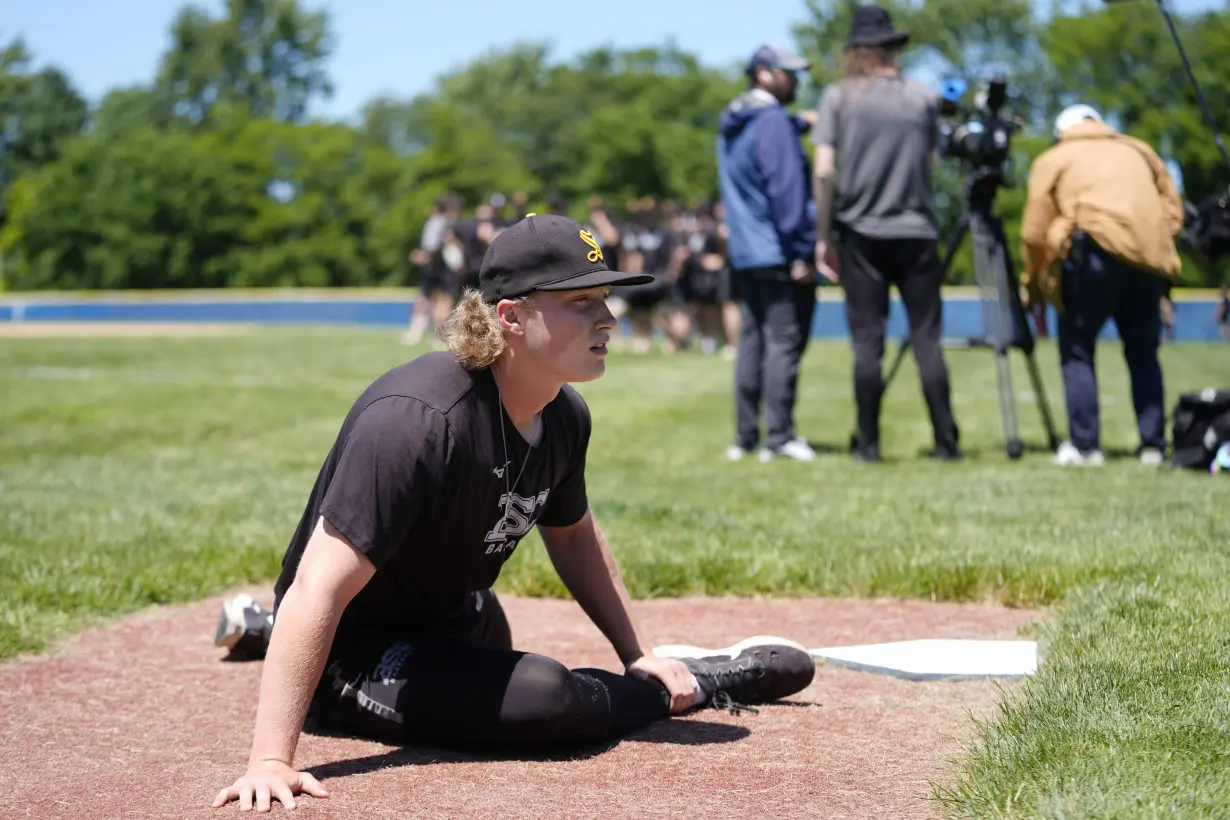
(1098, 237)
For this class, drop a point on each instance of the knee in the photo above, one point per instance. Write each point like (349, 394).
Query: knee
(930, 359)
(1073, 351)
(868, 348)
(540, 691)
(785, 338)
(925, 338)
(1139, 352)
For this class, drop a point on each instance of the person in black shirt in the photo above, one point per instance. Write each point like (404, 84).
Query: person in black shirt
(472, 237)
(436, 298)
(385, 624)
(649, 246)
(706, 281)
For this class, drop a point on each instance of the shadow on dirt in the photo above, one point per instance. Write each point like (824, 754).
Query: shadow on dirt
(678, 732)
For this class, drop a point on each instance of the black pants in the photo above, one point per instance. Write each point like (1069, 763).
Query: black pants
(467, 689)
(777, 316)
(869, 266)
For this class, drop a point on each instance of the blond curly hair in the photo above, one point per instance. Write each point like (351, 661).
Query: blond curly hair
(472, 330)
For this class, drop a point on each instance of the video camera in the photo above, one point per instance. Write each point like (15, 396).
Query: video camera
(1206, 228)
(983, 141)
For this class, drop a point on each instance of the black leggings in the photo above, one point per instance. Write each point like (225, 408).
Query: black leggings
(475, 692)
(868, 268)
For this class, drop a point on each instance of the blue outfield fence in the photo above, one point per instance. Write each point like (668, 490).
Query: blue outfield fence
(1194, 317)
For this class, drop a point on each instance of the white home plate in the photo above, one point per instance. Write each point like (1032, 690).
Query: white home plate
(936, 659)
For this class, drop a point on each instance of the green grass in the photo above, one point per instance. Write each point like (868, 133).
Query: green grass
(152, 471)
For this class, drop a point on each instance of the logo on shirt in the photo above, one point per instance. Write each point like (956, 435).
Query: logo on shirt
(512, 527)
(595, 255)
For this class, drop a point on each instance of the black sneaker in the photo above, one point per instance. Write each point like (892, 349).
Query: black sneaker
(757, 670)
(244, 627)
(945, 454)
(864, 453)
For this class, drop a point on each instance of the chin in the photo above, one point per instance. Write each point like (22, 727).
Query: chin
(588, 374)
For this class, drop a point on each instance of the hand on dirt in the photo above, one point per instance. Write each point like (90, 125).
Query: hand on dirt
(673, 674)
(266, 781)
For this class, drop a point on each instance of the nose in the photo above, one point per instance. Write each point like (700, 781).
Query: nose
(607, 320)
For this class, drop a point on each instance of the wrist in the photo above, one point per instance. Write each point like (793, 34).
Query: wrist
(268, 762)
(631, 656)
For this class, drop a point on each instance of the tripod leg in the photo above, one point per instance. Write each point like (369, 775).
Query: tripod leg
(1052, 436)
(954, 242)
(990, 269)
(892, 371)
(1007, 405)
(1025, 341)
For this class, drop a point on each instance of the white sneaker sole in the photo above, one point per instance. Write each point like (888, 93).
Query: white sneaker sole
(231, 621)
(685, 652)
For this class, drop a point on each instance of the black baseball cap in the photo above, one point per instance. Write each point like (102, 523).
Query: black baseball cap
(548, 252)
(772, 56)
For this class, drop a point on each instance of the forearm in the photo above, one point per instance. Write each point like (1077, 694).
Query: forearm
(1036, 222)
(587, 568)
(293, 666)
(1035, 258)
(822, 193)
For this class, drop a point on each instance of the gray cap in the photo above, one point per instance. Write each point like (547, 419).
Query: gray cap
(771, 56)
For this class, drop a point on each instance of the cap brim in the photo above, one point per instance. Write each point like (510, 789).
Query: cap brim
(898, 38)
(597, 279)
(797, 64)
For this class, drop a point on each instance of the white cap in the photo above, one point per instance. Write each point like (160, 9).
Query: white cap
(1074, 114)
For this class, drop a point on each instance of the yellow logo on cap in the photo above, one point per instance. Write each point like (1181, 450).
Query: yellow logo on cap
(596, 254)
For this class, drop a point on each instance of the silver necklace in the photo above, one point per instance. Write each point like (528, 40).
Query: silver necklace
(507, 461)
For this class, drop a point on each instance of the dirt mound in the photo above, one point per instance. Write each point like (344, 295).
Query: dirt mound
(142, 718)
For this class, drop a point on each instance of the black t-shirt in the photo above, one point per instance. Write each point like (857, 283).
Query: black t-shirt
(416, 480)
(703, 242)
(656, 245)
(466, 231)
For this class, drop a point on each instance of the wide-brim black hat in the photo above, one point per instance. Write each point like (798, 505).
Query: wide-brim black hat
(872, 26)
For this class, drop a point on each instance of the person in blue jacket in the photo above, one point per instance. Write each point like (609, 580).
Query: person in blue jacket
(765, 179)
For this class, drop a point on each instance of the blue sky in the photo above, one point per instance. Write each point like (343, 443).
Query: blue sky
(392, 47)
(386, 46)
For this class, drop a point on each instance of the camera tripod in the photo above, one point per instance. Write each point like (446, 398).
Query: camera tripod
(1004, 323)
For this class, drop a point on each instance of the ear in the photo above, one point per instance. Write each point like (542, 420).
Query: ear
(510, 318)
(764, 76)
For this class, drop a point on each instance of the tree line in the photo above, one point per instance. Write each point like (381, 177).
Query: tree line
(214, 175)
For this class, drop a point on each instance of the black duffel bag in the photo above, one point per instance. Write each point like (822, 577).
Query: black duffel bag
(1201, 425)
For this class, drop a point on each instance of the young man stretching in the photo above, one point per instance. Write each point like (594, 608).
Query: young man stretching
(386, 625)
